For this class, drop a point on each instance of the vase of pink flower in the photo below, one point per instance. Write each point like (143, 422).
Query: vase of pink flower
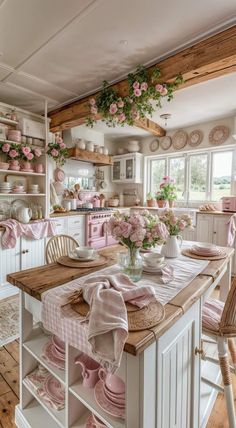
(175, 225)
(137, 231)
(13, 156)
(58, 151)
(28, 154)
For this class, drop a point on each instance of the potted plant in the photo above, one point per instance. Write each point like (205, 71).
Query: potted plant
(161, 199)
(151, 202)
(4, 150)
(13, 156)
(28, 154)
(168, 189)
(171, 199)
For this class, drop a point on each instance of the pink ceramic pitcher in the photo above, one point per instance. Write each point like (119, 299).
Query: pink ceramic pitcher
(89, 370)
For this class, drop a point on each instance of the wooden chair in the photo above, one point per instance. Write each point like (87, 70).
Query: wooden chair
(219, 322)
(59, 246)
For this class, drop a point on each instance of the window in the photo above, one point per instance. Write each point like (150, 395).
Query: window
(221, 174)
(177, 171)
(198, 177)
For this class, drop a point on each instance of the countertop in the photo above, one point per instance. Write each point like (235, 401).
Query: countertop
(71, 213)
(37, 280)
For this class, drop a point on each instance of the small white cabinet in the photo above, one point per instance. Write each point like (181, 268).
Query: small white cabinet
(127, 168)
(32, 253)
(73, 226)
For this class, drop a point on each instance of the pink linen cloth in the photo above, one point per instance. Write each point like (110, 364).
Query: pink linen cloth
(231, 231)
(211, 314)
(14, 229)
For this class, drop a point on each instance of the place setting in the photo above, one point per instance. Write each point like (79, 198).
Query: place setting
(203, 251)
(156, 264)
(83, 257)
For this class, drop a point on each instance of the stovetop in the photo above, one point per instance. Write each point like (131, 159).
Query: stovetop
(93, 209)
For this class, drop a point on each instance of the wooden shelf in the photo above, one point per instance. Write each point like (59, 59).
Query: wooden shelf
(7, 121)
(21, 194)
(37, 417)
(3, 140)
(86, 156)
(10, 171)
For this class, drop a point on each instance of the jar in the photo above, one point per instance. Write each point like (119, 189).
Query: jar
(96, 148)
(90, 146)
(105, 151)
(73, 204)
(133, 146)
(100, 149)
(80, 143)
(66, 203)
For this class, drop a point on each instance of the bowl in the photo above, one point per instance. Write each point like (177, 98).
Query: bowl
(153, 259)
(84, 252)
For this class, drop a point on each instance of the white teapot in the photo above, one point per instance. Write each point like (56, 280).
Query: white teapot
(23, 214)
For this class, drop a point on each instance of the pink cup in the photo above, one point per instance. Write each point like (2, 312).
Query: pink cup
(39, 168)
(90, 370)
(114, 384)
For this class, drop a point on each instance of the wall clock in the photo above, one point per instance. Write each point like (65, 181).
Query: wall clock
(218, 135)
(154, 145)
(179, 139)
(166, 142)
(195, 138)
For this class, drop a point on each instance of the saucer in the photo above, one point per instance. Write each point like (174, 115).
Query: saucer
(106, 405)
(93, 423)
(54, 389)
(72, 255)
(156, 269)
(50, 356)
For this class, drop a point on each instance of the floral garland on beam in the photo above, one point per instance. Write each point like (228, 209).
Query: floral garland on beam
(145, 95)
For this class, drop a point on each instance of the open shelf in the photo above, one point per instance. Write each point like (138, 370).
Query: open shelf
(86, 396)
(7, 121)
(34, 344)
(57, 415)
(21, 194)
(37, 417)
(85, 156)
(81, 422)
(10, 171)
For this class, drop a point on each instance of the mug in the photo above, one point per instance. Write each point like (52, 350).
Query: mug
(39, 168)
(113, 383)
(90, 370)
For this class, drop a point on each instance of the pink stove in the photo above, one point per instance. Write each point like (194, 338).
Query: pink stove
(97, 234)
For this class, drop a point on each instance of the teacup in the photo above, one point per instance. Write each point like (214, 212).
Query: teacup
(90, 370)
(114, 384)
(84, 252)
(153, 259)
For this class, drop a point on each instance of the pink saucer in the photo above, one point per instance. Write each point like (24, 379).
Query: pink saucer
(27, 170)
(50, 356)
(106, 405)
(54, 389)
(58, 343)
(93, 422)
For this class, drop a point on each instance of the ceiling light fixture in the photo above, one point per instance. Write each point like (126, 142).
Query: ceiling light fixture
(165, 117)
(124, 42)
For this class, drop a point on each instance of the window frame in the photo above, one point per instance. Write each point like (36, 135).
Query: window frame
(187, 156)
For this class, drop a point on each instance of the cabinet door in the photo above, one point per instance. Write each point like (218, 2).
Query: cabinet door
(9, 261)
(32, 253)
(116, 170)
(129, 169)
(204, 228)
(220, 230)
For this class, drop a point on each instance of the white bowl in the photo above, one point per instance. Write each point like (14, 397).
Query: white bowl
(153, 259)
(84, 252)
(205, 246)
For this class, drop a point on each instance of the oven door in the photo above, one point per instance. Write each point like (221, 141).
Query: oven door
(96, 234)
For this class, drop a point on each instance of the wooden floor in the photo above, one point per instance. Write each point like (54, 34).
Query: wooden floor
(9, 390)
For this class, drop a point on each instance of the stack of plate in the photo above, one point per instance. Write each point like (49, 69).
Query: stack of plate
(18, 188)
(34, 189)
(54, 352)
(205, 249)
(5, 187)
(110, 400)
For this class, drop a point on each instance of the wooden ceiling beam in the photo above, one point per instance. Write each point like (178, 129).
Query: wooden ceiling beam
(205, 60)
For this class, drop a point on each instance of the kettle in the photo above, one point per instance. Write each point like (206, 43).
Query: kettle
(23, 214)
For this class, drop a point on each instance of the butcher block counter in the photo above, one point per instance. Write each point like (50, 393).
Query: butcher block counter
(159, 365)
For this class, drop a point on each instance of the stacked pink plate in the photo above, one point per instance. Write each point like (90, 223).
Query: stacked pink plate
(205, 249)
(94, 422)
(109, 394)
(54, 352)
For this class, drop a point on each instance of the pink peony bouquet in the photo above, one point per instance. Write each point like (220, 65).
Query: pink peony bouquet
(176, 224)
(58, 151)
(138, 230)
(28, 153)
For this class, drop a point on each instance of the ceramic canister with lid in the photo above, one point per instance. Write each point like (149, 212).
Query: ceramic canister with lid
(73, 203)
(90, 146)
(66, 204)
(133, 146)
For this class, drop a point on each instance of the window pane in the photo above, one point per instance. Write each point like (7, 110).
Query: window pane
(158, 168)
(177, 171)
(198, 178)
(221, 175)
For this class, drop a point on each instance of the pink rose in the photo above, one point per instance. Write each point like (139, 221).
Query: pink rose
(120, 103)
(59, 140)
(159, 87)
(113, 108)
(136, 85)
(30, 156)
(54, 153)
(94, 110)
(182, 225)
(137, 92)
(144, 86)
(173, 221)
(164, 91)
(126, 229)
(121, 117)
(92, 101)
(37, 152)
(6, 147)
(13, 153)
(62, 145)
(26, 150)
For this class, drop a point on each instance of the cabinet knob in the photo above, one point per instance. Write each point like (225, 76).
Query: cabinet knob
(25, 251)
(199, 351)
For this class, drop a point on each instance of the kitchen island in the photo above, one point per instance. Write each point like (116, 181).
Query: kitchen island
(161, 366)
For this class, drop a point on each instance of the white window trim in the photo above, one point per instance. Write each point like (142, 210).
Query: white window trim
(209, 151)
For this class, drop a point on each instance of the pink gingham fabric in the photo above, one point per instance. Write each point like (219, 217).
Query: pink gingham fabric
(211, 314)
(231, 231)
(36, 230)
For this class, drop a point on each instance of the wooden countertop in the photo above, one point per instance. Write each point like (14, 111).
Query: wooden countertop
(38, 280)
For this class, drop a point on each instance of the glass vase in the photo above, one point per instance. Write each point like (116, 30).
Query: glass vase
(134, 265)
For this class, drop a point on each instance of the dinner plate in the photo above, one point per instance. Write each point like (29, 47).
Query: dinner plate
(54, 389)
(72, 255)
(205, 253)
(107, 406)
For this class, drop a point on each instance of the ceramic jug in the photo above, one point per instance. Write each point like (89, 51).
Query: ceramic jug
(23, 214)
(172, 246)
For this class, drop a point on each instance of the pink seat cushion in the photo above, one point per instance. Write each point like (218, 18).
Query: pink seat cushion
(211, 314)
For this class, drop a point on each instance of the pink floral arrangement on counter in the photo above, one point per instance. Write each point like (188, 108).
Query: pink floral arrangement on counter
(176, 224)
(58, 151)
(138, 230)
(168, 188)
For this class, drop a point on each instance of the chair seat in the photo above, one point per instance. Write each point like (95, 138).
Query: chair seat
(211, 315)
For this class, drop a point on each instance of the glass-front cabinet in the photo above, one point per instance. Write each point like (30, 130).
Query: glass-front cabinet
(127, 168)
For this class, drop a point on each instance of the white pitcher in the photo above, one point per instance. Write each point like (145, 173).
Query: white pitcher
(172, 246)
(23, 214)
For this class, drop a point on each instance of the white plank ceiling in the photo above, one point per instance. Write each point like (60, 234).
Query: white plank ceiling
(60, 50)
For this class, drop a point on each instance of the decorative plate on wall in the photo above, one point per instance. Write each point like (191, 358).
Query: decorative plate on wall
(218, 135)
(166, 142)
(179, 139)
(59, 175)
(154, 145)
(195, 138)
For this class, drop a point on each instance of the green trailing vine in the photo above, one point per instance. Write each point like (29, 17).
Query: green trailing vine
(145, 95)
